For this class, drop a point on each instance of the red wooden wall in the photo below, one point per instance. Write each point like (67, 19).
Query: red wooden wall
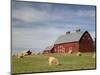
(65, 47)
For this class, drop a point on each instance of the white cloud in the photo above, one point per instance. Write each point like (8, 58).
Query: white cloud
(37, 38)
(31, 14)
(86, 13)
(28, 14)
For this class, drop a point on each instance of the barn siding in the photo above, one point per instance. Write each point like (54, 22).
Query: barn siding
(86, 43)
(65, 47)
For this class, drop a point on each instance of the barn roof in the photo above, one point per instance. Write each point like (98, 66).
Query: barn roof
(70, 37)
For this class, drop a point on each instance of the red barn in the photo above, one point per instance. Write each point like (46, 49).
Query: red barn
(78, 41)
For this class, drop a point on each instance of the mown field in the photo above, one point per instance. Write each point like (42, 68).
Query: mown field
(39, 63)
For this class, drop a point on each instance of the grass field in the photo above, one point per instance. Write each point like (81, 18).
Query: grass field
(39, 63)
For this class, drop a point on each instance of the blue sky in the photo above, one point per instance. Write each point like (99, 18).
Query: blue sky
(38, 25)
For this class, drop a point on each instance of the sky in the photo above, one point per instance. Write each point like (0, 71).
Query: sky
(37, 25)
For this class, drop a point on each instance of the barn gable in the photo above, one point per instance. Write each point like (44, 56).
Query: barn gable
(86, 43)
(86, 33)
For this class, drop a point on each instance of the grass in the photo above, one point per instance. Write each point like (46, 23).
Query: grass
(39, 63)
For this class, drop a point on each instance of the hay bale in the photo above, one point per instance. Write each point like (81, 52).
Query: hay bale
(24, 53)
(53, 61)
(78, 54)
(33, 53)
(94, 55)
(14, 55)
(39, 53)
(20, 55)
(70, 52)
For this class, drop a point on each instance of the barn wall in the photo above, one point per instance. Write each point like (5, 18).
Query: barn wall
(86, 43)
(64, 48)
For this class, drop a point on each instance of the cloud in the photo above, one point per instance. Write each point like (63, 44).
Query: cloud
(37, 38)
(86, 13)
(43, 12)
(28, 15)
(27, 12)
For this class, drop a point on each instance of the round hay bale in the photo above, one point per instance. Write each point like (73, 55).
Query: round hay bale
(14, 55)
(24, 53)
(53, 61)
(34, 53)
(70, 52)
(20, 55)
(79, 54)
(94, 55)
(39, 53)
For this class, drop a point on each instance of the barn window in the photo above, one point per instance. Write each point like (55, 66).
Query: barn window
(60, 51)
(63, 50)
(60, 46)
(55, 50)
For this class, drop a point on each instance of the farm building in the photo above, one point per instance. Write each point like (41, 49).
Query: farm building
(79, 41)
(29, 52)
(48, 49)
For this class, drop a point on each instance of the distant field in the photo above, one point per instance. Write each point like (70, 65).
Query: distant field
(39, 63)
